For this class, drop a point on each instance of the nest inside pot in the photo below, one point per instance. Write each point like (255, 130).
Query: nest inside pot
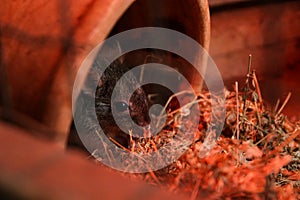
(256, 156)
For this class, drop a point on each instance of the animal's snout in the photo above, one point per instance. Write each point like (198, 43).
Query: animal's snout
(141, 119)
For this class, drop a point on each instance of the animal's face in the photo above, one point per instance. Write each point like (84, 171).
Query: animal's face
(136, 106)
(129, 102)
(130, 108)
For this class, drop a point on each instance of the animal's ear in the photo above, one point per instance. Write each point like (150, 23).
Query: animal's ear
(91, 82)
(112, 50)
(119, 49)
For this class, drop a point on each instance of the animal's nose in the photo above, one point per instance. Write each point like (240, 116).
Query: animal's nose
(141, 120)
(142, 123)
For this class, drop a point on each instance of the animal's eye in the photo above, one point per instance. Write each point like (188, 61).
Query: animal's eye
(121, 106)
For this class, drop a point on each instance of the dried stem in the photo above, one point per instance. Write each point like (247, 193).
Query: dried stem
(276, 106)
(237, 111)
(257, 88)
(284, 104)
(104, 146)
(118, 144)
(292, 136)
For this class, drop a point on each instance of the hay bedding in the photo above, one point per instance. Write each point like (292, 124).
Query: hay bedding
(257, 155)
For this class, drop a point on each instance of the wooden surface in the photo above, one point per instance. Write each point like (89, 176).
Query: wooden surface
(271, 33)
(44, 42)
(39, 169)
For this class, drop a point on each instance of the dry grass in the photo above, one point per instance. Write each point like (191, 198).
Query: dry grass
(257, 155)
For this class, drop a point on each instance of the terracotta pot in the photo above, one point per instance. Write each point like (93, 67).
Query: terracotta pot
(44, 42)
